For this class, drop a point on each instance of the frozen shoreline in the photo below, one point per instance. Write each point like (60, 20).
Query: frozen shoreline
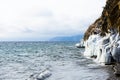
(104, 49)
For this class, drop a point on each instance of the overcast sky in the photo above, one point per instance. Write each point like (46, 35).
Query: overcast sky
(43, 19)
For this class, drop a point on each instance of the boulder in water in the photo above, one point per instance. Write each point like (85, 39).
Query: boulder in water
(40, 76)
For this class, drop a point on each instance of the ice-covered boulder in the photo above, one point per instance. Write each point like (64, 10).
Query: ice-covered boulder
(102, 54)
(116, 49)
(80, 45)
(90, 46)
(40, 76)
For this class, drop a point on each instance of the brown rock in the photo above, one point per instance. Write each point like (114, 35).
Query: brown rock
(110, 19)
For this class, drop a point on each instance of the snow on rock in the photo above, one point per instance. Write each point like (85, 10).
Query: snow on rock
(105, 50)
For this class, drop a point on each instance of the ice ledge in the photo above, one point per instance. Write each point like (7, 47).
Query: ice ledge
(105, 50)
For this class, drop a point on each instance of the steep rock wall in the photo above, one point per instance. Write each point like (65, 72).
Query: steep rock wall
(110, 19)
(102, 38)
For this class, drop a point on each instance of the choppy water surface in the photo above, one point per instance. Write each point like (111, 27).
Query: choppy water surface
(18, 60)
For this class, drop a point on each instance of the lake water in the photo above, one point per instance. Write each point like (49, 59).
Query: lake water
(18, 60)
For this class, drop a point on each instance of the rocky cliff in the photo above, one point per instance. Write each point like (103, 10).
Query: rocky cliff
(102, 38)
(110, 19)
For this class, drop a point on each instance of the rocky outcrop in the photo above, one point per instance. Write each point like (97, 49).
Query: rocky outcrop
(40, 76)
(95, 26)
(111, 16)
(80, 44)
(110, 19)
(102, 39)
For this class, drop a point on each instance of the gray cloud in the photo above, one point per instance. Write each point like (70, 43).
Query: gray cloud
(44, 13)
(27, 30)
(43, 19)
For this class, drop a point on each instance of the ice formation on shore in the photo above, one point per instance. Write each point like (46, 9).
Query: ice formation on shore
(102, 38)
(105, 50)
(80, 45)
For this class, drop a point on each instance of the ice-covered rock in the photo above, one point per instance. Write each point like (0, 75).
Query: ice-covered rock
(90, 46)
(40, 76)
(80, 45)
(116, 49)
(106, 49)
(103, 56)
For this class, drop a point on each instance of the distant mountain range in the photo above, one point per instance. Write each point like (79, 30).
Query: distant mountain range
(68, 38)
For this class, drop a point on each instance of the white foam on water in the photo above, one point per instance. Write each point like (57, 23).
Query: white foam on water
(19, 61)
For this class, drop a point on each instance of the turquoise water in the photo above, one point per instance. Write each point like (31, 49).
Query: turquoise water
(18, 60)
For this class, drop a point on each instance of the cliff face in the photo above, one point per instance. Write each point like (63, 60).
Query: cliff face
(110, 19)
(102, 38)
(111, 16)
(95, 26)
